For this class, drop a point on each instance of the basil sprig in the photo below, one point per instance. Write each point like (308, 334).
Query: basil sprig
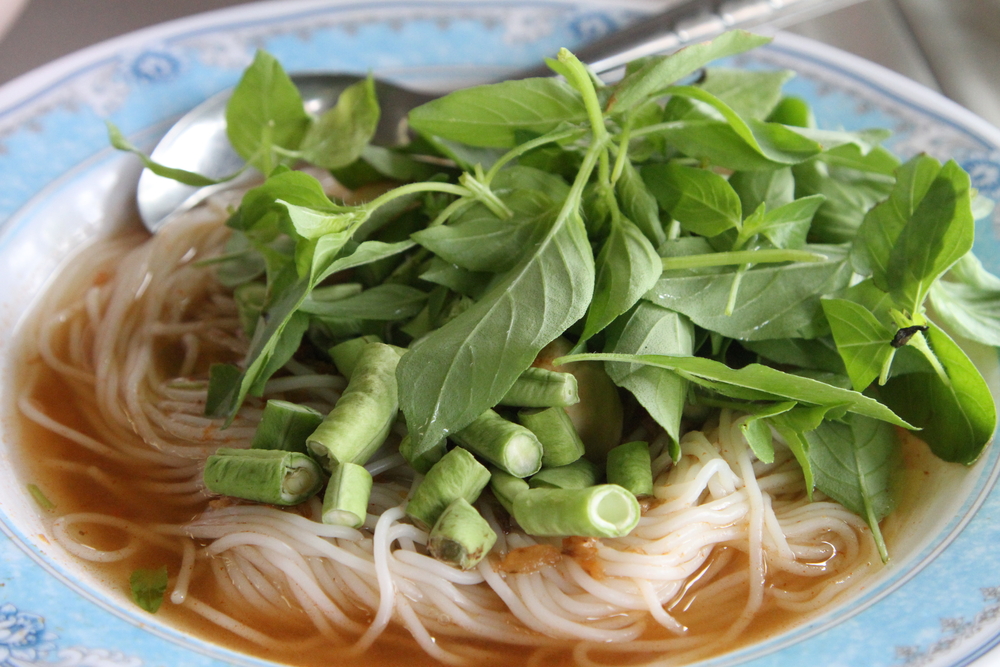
(713, 245)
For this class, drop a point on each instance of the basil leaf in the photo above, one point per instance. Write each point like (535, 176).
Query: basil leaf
(776, 301)
(340, 135)
(469, 283)
(852, 184)
(452, 375)
(478, 240)
(264, 112)
(772, 188)
(366, 253)
(702, 201)
(241, 263)
(261, 214)
(816, 353)
(385, 302)
(149, 587)
(627, 267)
(863, 341)
(659, 72)
(751, 94)
(639, 205)
(786, 226)
(856, 463)
(882, 226)
(793, 426)
(777, 143)
(756, 381)
(937, 235)
(957, 419)
(651, 329)
(286, 344)
(970, 304)
(757, 431)
(490, 115)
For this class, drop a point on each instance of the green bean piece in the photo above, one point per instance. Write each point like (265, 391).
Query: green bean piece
(630, 467)
(345, 502)
(285, 426)
(360, 422)
(576, 475)
(461, 536)
(345, 355)
(263, 475)
(421, 462)
(457, 475)
(506, 487)
(606, 510)
(249, 299)
(561, 444)
(507, 445)
(542, 388)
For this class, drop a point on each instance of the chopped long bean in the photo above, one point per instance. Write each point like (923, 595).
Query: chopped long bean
(285, 426)
(507, 445)
(542, 388)
(577, 475)
(263, 475)
(630, 467)
(506, 487)
(345, 355)
(461, 536)
(345, 502)
(561, 444)
(606, 510)
(360, 422)
(421, 462)
(457, 475)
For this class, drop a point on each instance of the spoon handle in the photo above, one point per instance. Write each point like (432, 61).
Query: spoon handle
(690, 21)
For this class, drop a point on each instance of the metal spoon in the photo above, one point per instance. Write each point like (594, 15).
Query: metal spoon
(197, 142)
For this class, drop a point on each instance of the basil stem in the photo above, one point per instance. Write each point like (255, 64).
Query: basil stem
(542, 388)
(457, 475)
(507, 445)
(606, 510)
(769, 256)
(285, 426)
(345, 502)
(561, 444)
(630, 467)
(263, 475)
(360, 422)
(461, 536)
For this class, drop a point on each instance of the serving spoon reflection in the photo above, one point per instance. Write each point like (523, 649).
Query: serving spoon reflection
(198, 141)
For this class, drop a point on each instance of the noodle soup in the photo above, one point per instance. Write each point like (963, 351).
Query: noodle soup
(122, 505)
(119, 364)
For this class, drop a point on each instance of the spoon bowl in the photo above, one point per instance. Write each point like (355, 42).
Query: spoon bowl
(198, 142)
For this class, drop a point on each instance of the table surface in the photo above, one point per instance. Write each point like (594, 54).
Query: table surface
(948, 45)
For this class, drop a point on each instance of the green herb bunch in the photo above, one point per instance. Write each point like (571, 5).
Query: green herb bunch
(703, 240)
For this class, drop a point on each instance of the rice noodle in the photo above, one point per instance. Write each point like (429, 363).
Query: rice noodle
(105, 341)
